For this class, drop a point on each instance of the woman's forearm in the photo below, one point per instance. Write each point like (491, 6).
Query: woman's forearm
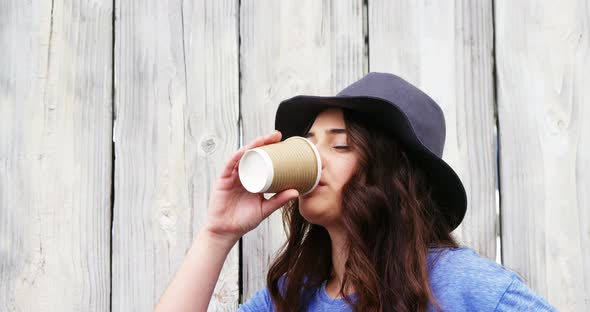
(193, 284)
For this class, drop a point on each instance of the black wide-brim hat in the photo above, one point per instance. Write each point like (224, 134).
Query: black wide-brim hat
(401, 109)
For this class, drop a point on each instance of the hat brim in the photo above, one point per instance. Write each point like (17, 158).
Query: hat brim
(295, 115)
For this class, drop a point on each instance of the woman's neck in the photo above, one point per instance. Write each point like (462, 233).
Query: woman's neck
(339, 257)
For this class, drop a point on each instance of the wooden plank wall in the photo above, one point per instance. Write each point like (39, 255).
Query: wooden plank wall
(176, 104)
(55, 155)
(116, 116)
(543, 57)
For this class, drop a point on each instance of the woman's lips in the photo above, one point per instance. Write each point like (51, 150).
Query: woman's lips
(321, 185)
(317, 189)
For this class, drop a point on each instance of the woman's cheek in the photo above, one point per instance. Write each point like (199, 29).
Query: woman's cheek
(320, 210)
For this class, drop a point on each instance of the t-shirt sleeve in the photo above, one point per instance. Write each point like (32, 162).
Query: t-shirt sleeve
(261, 301)
(519, 297)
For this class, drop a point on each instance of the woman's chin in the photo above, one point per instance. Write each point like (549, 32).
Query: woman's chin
(317, 212)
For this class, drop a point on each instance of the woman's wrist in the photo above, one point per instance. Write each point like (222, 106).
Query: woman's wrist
(224, 241)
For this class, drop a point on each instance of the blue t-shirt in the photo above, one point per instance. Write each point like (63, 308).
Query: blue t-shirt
(460, 280)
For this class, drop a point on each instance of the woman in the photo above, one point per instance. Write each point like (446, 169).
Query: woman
(375, 234)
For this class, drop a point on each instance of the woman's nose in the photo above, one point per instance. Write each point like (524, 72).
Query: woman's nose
(321, 152)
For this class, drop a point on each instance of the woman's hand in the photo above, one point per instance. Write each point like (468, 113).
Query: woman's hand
(233, 211)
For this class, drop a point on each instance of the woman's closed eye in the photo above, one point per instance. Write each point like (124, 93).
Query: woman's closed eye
(341, 147)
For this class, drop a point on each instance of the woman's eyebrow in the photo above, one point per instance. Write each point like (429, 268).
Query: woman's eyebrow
(328, 131)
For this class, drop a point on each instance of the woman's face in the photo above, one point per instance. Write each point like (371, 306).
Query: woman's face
(323, 206)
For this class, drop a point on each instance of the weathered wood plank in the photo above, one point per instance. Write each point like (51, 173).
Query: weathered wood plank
(176, 124)
(55, 155)
(445, 48)
(289, 48)
(543, 79)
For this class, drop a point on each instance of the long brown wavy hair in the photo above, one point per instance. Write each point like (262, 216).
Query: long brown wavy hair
(391, 221)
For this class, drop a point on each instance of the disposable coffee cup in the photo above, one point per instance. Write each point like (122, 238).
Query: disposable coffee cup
(292, 164)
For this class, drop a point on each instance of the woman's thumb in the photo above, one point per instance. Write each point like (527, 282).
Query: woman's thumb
(270, 205)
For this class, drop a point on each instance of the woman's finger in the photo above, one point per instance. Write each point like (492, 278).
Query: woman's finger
(273, 137)
(234, 160)
(271, 205)
(259, 141)
(232, 164)
(229, 166)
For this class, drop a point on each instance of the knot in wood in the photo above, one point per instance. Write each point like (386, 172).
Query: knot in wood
(208, 145)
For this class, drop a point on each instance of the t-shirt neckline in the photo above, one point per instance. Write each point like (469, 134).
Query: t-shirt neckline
(326, 298)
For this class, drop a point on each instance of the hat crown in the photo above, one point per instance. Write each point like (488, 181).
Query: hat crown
(424, 114)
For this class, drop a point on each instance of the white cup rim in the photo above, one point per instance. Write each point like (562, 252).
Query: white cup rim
(268, 171)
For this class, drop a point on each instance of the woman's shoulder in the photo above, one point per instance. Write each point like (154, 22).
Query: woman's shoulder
(460, 277)
(261, 301)
(465, 264)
